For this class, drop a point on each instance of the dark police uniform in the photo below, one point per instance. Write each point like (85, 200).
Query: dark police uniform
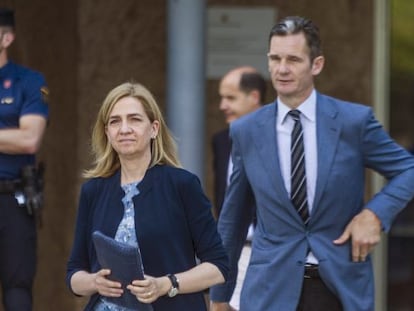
(22, 92)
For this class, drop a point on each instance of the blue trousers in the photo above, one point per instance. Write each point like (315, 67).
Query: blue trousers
(17, 254)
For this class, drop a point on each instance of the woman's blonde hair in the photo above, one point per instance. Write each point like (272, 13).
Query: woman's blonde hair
(106, 161)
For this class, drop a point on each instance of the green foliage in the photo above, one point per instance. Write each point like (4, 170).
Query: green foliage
(402, 37)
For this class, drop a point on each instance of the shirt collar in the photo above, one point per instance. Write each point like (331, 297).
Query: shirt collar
(307, 108)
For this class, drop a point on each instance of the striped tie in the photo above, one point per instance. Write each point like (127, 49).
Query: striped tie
(298, 194)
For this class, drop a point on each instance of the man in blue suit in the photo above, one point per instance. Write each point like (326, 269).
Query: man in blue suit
(318, 257)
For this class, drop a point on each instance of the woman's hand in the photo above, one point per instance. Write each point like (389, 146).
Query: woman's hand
(107, 287)
(150, 289)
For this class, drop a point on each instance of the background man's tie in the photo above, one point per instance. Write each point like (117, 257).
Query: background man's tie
(298, 194)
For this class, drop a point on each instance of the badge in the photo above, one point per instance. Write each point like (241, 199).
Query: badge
(7, 100)
(7, 83)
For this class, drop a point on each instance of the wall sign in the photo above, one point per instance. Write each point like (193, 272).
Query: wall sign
(238, 36)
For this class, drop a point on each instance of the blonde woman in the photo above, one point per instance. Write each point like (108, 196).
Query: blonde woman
(138, 194)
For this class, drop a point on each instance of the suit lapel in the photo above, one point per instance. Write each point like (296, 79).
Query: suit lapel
(148, 181)
(327, 135)
(265, 139)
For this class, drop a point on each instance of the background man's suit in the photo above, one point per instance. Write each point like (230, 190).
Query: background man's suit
(349, 139)
(221, 155)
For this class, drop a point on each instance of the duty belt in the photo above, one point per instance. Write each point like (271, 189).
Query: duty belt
(9, 186)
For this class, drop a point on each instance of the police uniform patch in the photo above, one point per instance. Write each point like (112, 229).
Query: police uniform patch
(7, 83)
(45, 94)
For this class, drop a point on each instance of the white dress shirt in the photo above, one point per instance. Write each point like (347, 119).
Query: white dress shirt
(284, 127)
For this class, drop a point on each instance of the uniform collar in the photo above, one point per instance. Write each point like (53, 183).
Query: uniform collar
(7, 71)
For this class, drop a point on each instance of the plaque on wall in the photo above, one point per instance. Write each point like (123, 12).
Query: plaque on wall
(238, 36)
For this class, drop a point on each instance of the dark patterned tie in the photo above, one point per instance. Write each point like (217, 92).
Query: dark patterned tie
(298, 194)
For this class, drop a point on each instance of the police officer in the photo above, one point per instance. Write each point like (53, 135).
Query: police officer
(23, 119)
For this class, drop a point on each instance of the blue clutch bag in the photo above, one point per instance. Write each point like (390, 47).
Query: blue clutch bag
(125, 264)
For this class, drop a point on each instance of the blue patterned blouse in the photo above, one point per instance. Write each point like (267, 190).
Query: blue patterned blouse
(125, 234)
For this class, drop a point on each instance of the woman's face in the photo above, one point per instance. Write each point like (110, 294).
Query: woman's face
(129, 129)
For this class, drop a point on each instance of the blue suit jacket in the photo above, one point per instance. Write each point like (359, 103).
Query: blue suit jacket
(173, 222)
(349, 140)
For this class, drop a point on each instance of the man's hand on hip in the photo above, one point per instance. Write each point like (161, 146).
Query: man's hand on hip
(365, 232)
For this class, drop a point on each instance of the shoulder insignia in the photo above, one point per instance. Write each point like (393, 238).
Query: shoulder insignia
(45, 94)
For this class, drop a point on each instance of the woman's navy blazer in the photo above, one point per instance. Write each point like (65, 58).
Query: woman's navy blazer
(173, 222)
